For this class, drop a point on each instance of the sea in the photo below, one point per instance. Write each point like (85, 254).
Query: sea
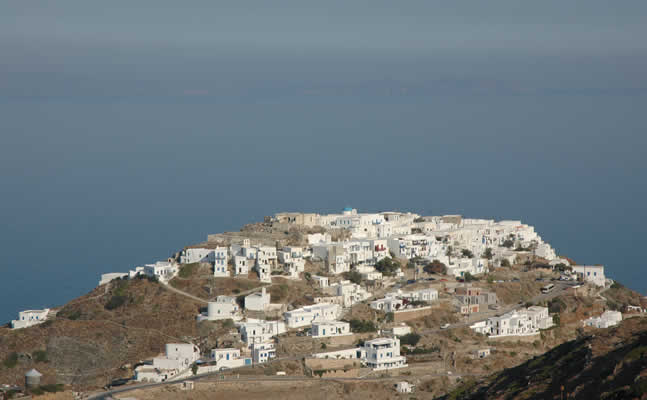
(115, 157)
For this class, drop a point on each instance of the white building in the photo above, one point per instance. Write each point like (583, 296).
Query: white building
(524, 322)
(263, 352)
(258, 301)
(330, 329)
(221, 262)
(111, 276)
(193, 255)
(404, 387)
(241, 265)
(399, 330)
(607, 319)
(387, 304)
(260, 331)
(164, 271)
(383, 353)
(307, 315)
(591, 273)
(29, 318)
(178, 358)
(351, 293)
(322, 281)
(427, 295)
(225, 307)
(229, 358)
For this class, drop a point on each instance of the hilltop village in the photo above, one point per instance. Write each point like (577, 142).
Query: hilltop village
(355, 295)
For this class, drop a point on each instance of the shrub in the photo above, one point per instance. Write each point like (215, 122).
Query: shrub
(469, 277)
(505, 263)
(362, 326)
(387, 266)
(40, 356)
(411, 339)
(508, 243)
(353, 276)
(115, 302)
(323, 345)
(435, 267)
(53, 388)
(74, 315)
(11, 360)
(467, 253)
(187, 270)
(389, 317)
(488, 253)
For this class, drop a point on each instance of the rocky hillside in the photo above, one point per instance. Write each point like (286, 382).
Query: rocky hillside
(606, 364)
(100, 336)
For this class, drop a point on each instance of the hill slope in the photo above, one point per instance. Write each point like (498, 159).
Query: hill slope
(93, 336)
(609, 364)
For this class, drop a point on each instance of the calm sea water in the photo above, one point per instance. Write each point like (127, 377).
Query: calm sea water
(98, 186)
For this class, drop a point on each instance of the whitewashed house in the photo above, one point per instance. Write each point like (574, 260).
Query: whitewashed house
(322, 281)
(263, 352)
(427, 295)
(307, 315)
(524, 322)
(591, 273)
(229, 358)
(330, 329)
(164, 271)
(258, 301)
(399, 330)
(241, 265)
(260, 331)
(387, 304)
(607, 319)
(111, 276)
(263, 268)
(225, 307)
(351, 293)
(383, 353)
(178, 358)
(221, 262)
(404, 387)
(193, 255)
(29, 318)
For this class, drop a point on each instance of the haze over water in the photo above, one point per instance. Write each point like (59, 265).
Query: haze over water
(130, 133)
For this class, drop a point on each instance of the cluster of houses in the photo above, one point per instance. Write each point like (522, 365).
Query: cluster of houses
(464, 245)
(523, 322)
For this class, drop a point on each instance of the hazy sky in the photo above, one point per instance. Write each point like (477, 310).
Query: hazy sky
(129, 132)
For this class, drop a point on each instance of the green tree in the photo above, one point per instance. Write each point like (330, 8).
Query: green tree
(488, 253)
(435, 267)
(411, 339)
(387, 266)
(508, 243)
(194, 368)
(467, 253)
(353, 276)
(469, 277)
